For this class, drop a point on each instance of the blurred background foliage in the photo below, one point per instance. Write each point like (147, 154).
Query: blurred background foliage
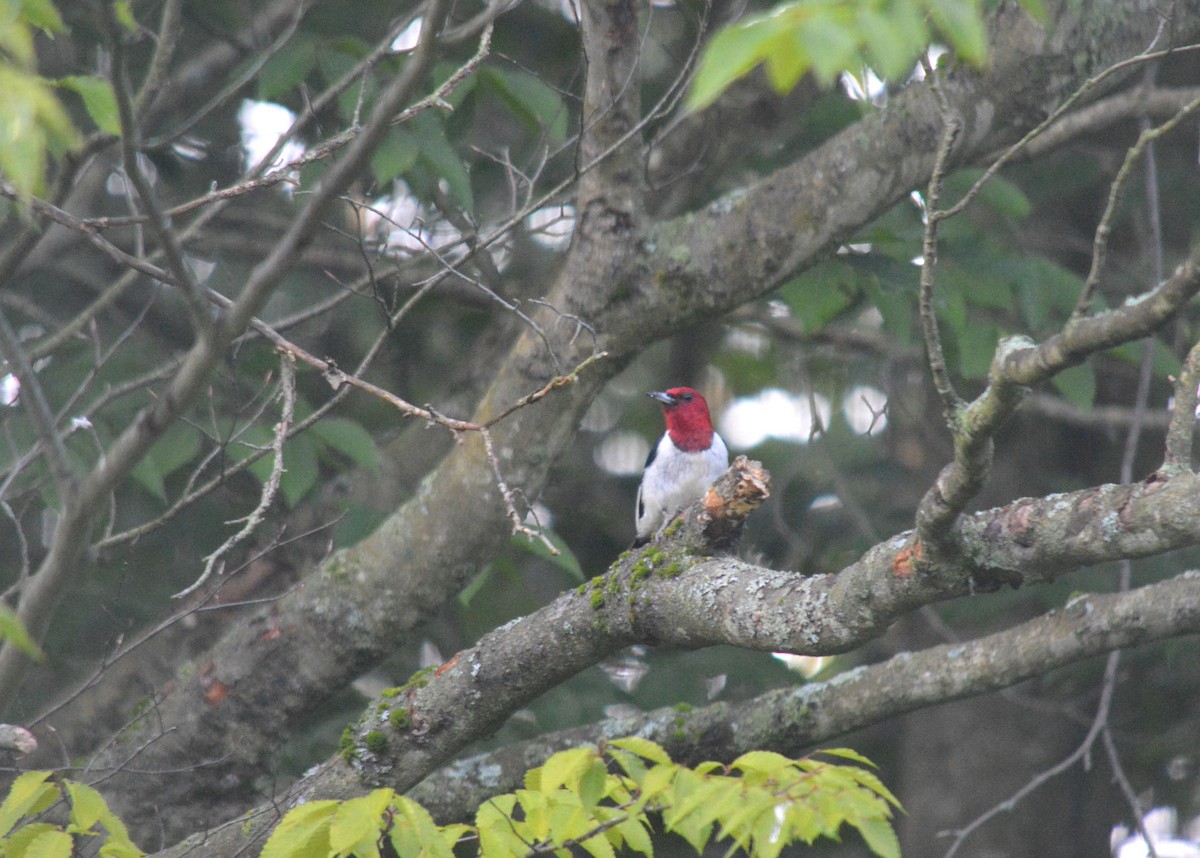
(823, 381)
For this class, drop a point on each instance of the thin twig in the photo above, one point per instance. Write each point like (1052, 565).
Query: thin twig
(34, 400)
(287, 394)
(951, 128)
(1115, 191)
(168, 241)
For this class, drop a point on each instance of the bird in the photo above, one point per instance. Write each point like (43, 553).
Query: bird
(687, 459)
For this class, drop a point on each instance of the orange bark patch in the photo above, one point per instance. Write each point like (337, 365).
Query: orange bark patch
(904, 563)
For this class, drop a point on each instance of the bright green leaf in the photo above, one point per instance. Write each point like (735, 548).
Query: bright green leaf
(760, 761)
(303, 832)
(43, 15)
(644, 748)
(592, 783)
(961, 22)
(731, 53)
(124, 13)
(565, 768)
(357, 824)
(880, 837)
(13, 630)
(50, 844)
(16, 843)
(98, 100)
(28, 795)
(847, 754)
(87, 805)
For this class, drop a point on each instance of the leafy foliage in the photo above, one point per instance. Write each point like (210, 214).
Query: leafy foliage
(33, 123)
(12, 630)
(827, 37)
(600, 801)
(32, 794)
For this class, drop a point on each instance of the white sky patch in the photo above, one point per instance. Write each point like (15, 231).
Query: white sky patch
(822, 503)
(752, 341)
(772, 413)
(622, 454)
(407, 40)
(865, 86)
(934, 54)
(10, 389)
(262, 124)
(863, 407)
(806, 665)
(400, 223)
(552, 226)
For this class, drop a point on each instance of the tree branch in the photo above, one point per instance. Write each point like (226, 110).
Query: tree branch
(792, 720)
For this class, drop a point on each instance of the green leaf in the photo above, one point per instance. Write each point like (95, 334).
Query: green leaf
(98, 100)
(476, 584)
(1077, 385)
(395, 156)
(891, 54)
(435, 842)
(13, 630)
(961, 22)
(598, 846)
(731, 53)
(287, 69)
(644, 748)
(350, 439)
(830, 46)
(880, 837)
(87, 805)
(539, 106)
(15, 844)
(1036, 10)
(820, 294)
(303, 832)
(976, 349)
(124, 13)
(895, 307)
(28, 795)
(1005, 198)
(357, 824)
(50, 844)
(43, 15)
(300, 467)
(565, 559)
(761, 761)
(1163, 360)
(593, 783)
(179, 445)
(565, 768)
(847, 754)
(33, 125)
(440, 157)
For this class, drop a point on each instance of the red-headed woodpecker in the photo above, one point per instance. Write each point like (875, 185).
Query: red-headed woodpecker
(683, 464)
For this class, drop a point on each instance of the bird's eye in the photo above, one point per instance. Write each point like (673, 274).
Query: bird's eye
(686, 397)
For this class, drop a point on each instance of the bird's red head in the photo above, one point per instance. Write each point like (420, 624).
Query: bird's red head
(688, 420)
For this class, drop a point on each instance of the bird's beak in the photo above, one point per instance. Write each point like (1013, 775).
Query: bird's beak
(664, 398)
